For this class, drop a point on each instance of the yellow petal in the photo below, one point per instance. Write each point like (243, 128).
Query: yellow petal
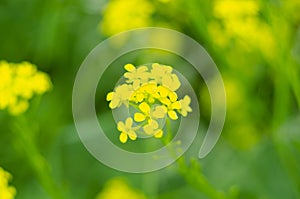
(140, 97)
(121, 126)
(151, 100)
(173, 96)
(172, 115)
(158, 134)
(163, 91)
(144, 107)
(187, 99)
(128, 122)
(129, 67)
(159, 112)
(153, 124)
(109, 96)
(176, 105)
(148, 130)
(114, 103)
(132, 135)
(176, 83)
(165, 101)
(123, 137)
(139, 117)
(183, 113)
(142, 69)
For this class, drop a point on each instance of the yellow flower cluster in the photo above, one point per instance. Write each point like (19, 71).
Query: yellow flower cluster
(118, 188)
(18, 84)
(240, 20)
(152, 92)
(6, 191)
(121, 15)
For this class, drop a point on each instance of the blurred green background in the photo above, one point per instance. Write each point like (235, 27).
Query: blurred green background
(254, 43)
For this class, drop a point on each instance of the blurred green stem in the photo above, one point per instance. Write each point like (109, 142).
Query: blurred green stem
(192, 173)
(25, 138)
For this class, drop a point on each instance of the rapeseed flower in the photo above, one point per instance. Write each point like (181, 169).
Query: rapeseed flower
(185, 105)
(18, 84)
(126, 130)
(152, 92)
(240, 21)
(121, 15)
(6, 191)
(118, 189)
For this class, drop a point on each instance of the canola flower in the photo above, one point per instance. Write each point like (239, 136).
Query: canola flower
(18, 84)
(240, 21)
(117, 188)
(6, 191)
(121, 15)
(152, 93)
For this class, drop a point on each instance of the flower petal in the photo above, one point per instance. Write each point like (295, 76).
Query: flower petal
(129, 67)
(144, 107)
(121, 126)
(159, 112)
(139, 117)
(173, 96)
(148, 130)
(109, 96)
(172, 115)
(158, 134)
(115, 102)
(142, 69)
(163, 91)
(153, 124)
(165, 101)
(176, 105)
(123, 137)
(128, 122)
(132, 135)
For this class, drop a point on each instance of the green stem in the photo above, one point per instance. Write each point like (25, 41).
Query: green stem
(38, 163)
(192, 173)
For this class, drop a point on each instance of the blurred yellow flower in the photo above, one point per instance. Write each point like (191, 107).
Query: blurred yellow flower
(152, 93)
(121, 15)
(240, 20)
(18, 84)
(6, 191)
(119, 189)
(235, 8)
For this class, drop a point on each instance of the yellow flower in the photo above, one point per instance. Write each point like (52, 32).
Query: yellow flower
(152, 128)
(126, 130)
(153, 95)
(234, 8)
(6, 191)
(169, 99)
(240, 20)
(121, 15)
(18, 84)
(136, 76)
(163, 75)
(118, 189)
(185, 105)
(120, 96)
(148, 91)
(148, 113)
